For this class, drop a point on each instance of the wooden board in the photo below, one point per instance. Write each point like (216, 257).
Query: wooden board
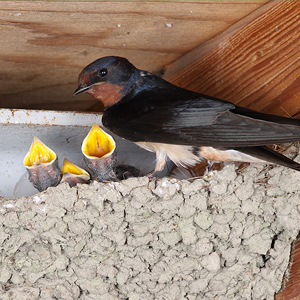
(291, 283)
(254, 63)
(45, 44)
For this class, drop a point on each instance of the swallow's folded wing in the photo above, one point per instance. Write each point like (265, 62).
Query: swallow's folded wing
(154, 116)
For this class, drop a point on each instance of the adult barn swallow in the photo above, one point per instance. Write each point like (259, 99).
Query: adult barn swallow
(42, 166)
(180, 124)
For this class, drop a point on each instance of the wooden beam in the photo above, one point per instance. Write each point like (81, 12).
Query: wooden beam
(291, 283)
(255, 63)
(45, 44)
(186, 1)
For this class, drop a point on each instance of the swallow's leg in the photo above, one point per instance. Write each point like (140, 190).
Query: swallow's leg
(209, 167)
(150, 174)
(160, 164)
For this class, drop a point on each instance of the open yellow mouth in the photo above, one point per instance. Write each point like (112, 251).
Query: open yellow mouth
(98, 143)
(38, 153)
(68, 167)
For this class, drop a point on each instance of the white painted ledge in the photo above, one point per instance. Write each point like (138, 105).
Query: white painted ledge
(63, 132)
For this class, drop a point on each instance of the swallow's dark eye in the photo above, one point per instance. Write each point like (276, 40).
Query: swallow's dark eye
(103, 72)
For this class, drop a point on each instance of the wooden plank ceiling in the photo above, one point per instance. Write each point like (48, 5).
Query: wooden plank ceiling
(45, 44)
(255, 63)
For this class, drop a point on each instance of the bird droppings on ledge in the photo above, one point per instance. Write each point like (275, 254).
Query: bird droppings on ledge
(228, 235)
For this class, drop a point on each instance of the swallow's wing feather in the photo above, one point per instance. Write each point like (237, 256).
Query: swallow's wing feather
(201, 121)
(179, 114)
(269, 155)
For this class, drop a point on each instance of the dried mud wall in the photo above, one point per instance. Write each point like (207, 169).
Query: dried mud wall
(227, 235)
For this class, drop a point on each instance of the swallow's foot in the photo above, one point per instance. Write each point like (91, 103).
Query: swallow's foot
(150, 174)
(209, 167)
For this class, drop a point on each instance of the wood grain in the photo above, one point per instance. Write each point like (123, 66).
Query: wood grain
(291, 284)
(186, 1)
(255, 63)
(45, 44)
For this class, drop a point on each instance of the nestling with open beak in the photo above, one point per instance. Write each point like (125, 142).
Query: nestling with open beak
(99, 150)
(179, 124)
(42, 166)
(73, 174)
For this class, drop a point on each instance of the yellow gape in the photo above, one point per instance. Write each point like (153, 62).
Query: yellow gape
(38, 153)
(98, 143)
(99, 153)
(68, 167)
(42, 166)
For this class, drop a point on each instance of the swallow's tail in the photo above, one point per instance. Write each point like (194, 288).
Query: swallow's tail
(270, 156)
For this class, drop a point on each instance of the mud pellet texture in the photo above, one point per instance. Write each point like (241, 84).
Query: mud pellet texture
(225, 236)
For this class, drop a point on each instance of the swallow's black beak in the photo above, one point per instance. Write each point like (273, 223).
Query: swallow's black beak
(81, 89)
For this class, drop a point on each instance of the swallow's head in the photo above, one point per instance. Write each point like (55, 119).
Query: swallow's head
(106, 79)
